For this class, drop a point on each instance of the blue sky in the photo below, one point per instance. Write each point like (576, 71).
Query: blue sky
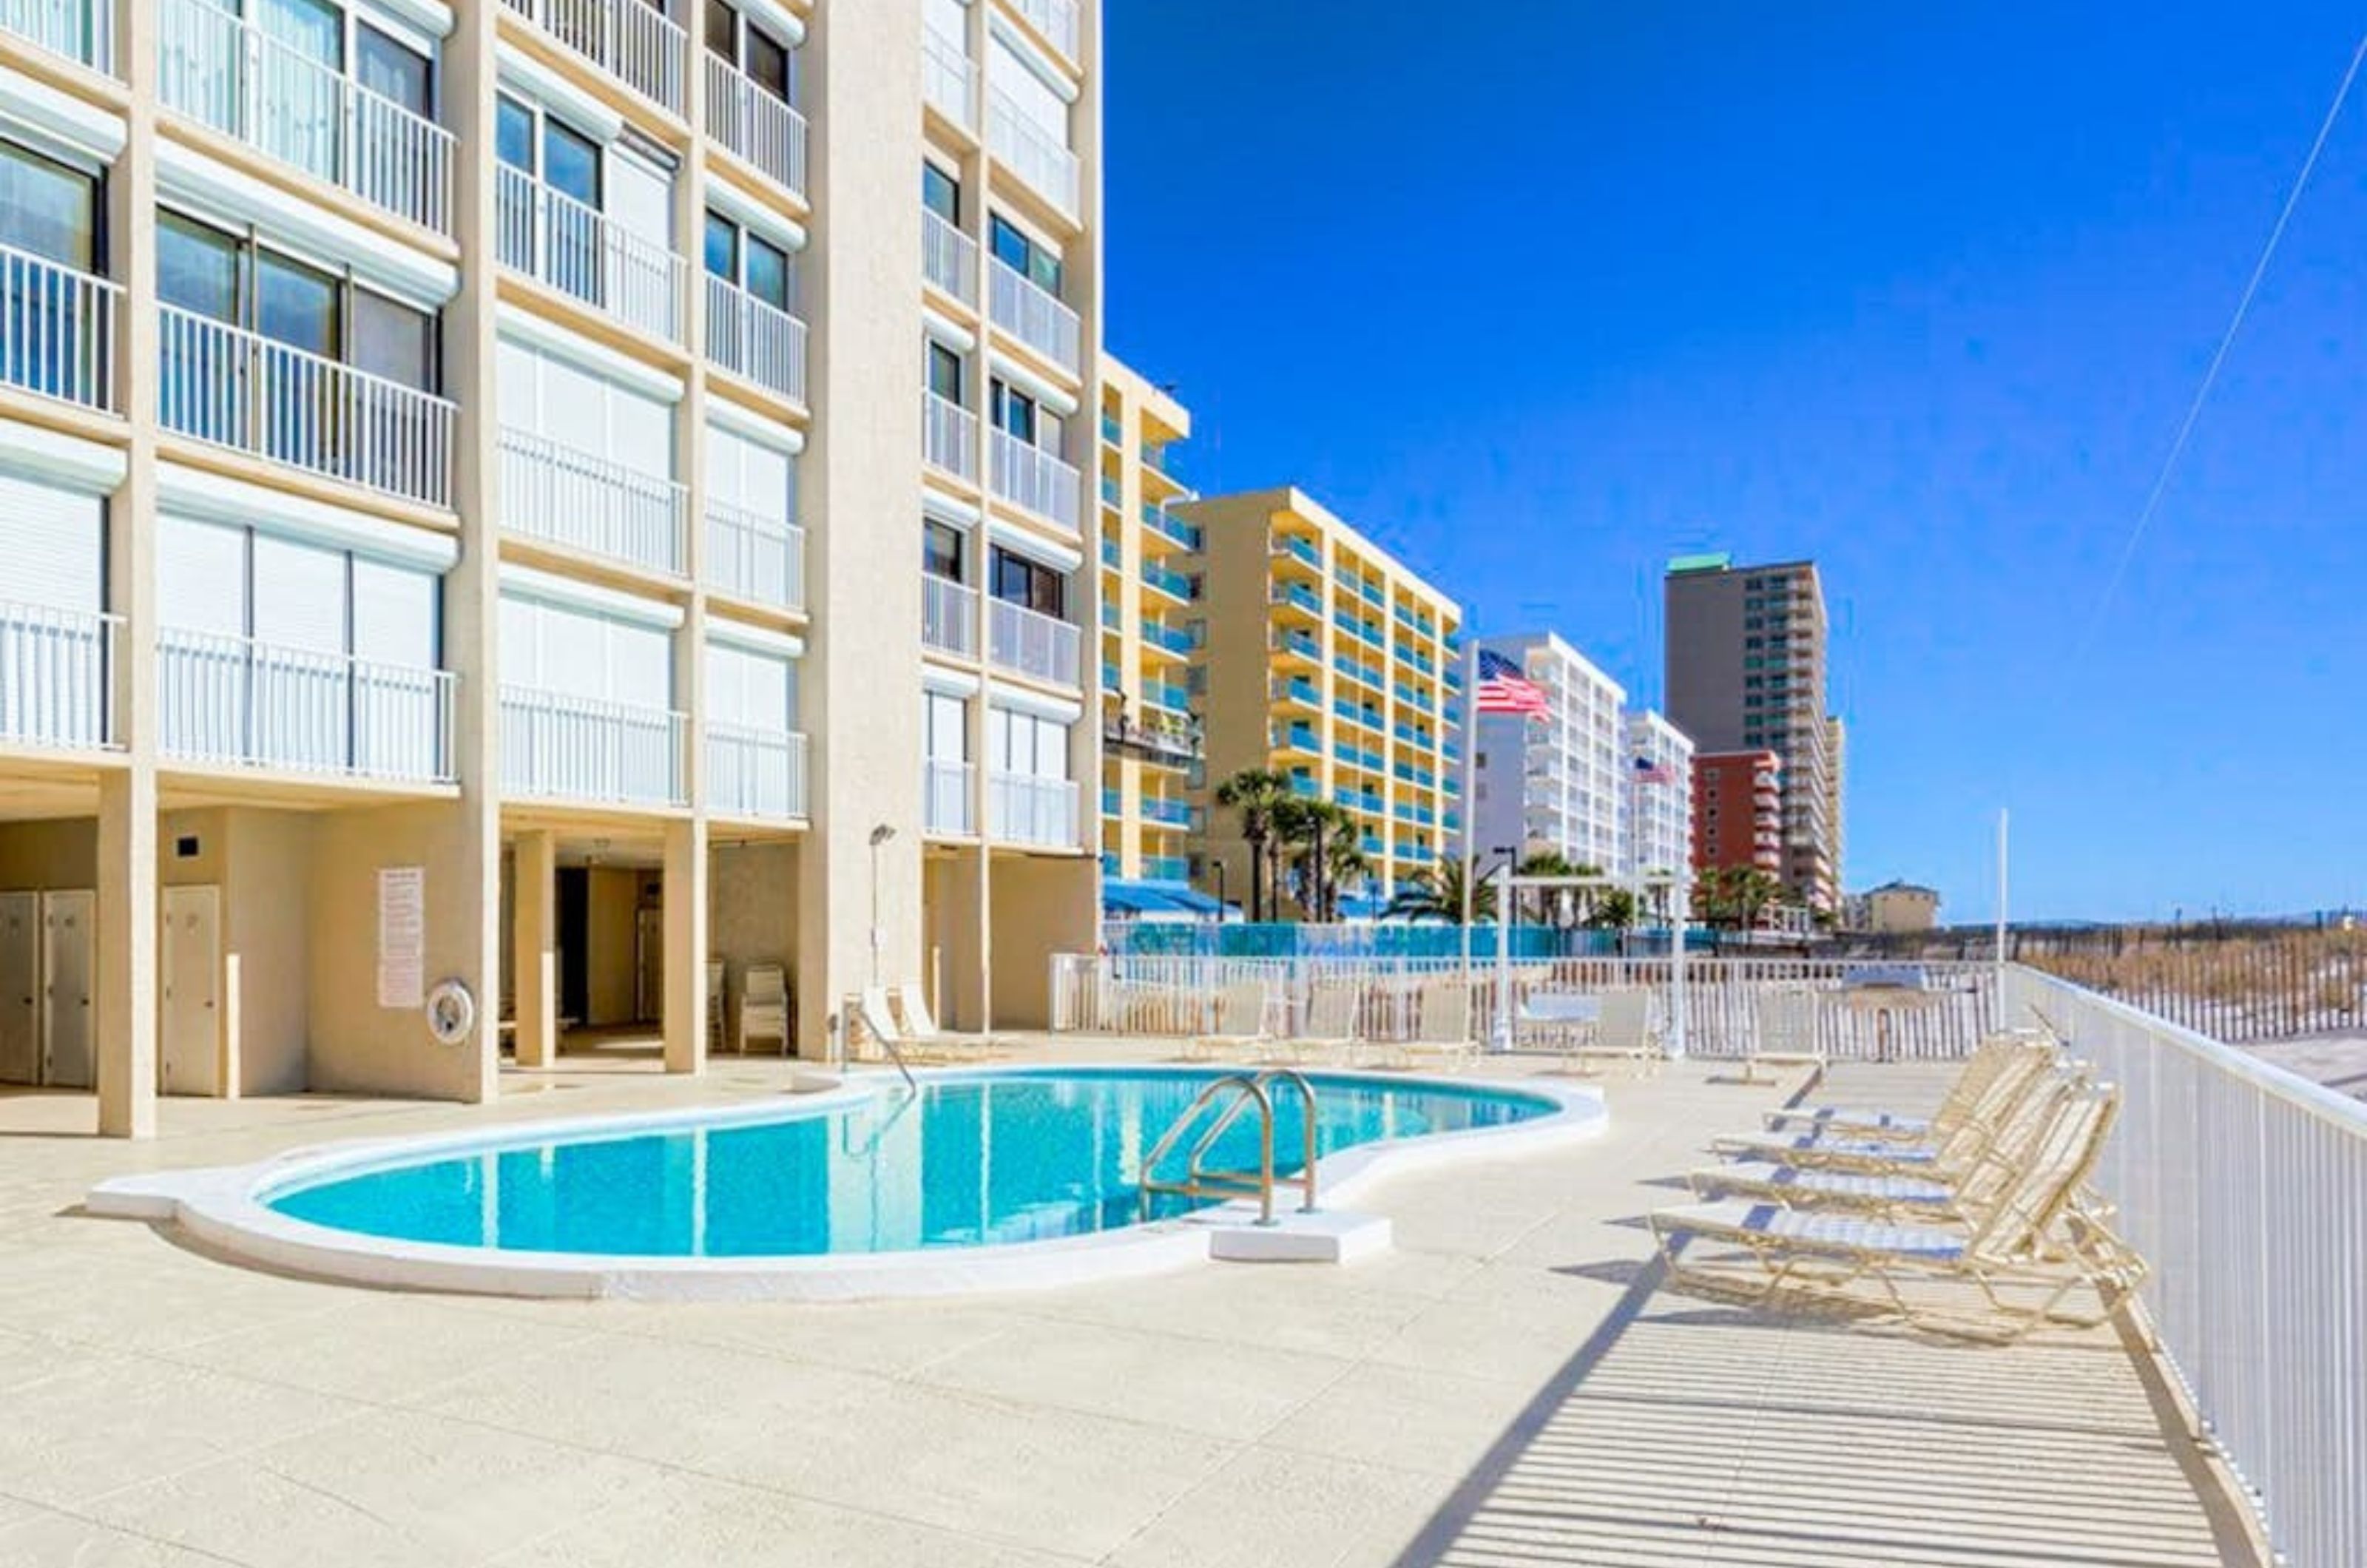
(1542, 292)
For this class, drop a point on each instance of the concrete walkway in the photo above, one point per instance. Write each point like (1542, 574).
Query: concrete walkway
(1508, 1387)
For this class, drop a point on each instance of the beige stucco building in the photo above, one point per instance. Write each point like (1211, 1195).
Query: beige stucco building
(1327, 660)
(471, 518)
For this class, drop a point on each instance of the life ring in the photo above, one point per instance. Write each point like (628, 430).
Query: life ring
(451, 1012)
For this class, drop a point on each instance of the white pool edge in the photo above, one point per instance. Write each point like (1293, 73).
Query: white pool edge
(220, 1208)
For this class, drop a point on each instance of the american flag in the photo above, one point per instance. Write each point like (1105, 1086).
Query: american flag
(1503, 689)
(1653, 772)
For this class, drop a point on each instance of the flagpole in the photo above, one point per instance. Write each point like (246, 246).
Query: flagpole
(1470, 807)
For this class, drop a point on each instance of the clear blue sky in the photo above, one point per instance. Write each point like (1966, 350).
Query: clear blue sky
(1541, 292)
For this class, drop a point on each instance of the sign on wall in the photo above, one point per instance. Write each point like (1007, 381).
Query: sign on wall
(401, 935)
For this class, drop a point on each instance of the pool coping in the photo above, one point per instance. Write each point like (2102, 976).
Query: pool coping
(223, 1207)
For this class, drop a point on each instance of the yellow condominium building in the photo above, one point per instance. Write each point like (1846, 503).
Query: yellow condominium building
(483, 559)
(1149, 606)
(1327, 659)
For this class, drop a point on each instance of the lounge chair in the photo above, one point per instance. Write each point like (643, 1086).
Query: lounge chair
(1952, 1150)
(1441, 1033)
(717, 1026)
(765, 1005)
(878, 1019)
(1623, 1032)
(908, 1005)
(2030, 1236)
(1988, 1058)
(1785, 1034)
(1330, 1028)
(1240, 1024)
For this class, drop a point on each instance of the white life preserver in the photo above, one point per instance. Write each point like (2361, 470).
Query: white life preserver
(451, 1012)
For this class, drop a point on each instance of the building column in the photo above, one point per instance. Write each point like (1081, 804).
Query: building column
(685, 945)
(534, 947)
(126, 953)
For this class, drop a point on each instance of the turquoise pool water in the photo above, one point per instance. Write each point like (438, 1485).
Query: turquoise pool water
(1019, 1155)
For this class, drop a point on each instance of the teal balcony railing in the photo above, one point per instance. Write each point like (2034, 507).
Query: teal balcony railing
(1299, 550)
(1295, 595)
(1111, 494)
(1166, 868)
(1159, 633)
(1169, 581)
(1167, 526)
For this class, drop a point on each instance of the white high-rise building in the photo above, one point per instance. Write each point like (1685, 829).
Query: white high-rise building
(1554, 784)
(1659, 816)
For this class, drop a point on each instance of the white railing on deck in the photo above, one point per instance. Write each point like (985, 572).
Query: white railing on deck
(949, 257)
(57, 329)
(582, 252)
(1031, 477)
(582, 749)
(948, 436)
(949, 79)
(1031, 642)
(230, 74)
(590, 503)
(1035, 316)
(757, 340)
(57, 676)
(2246, 1189)
(751, 122)
(1029, 810)
(948, 615)
(755, 772)
(81, 31)
(1033, 155)
(945, 797)
(630, 40)
(234, 388)
(1055, 19)
(234, 700)
(756, 557)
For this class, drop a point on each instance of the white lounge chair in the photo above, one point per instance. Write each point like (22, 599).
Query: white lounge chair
(1785, 1034)
(1240, 1024)
(1442, 1031)
(1623, 1032)
(1331, 1029)
(765, 1005)
(912, 1008)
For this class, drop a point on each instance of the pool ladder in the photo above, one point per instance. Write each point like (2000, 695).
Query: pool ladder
(1200, 1179)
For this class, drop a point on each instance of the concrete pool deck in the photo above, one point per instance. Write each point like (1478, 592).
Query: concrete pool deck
(1508, 1386)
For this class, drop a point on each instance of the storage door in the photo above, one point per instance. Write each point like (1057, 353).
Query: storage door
(69, 1057)
(53, 650)
(188, 1054)
(20, 987)
(299, 686)
(201, 649)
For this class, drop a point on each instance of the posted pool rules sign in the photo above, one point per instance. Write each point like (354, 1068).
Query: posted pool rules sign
(401, 935)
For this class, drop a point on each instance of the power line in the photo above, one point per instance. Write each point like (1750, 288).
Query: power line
(2227, 342)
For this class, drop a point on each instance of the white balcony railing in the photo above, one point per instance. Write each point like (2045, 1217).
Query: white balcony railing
(948, 78)
(630, 40)
(754, 557)
(57, 676)
(755, 772)
(949, 615)
(81, 31)
(948, 436)
(946, 797)
(590, 503)
(230, 76)
(57, 329)
(753, 122)
(1055, 19)
(582, 252)
(1033, 155)
(1035, 316)
(233, 388)
(568, 747)
(1034, 479)
(234, 700)
(949, 257)
(1031, 642)
(1027, 810)
(757, 340)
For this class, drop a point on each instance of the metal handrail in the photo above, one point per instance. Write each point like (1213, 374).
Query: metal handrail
(1201, 1182)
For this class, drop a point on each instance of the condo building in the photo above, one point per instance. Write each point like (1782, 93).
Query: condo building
(1557, 783)
(1660, 760)
(1149, 604)
(459, 471)
(1746, 666)
(1739, 811)
(1323, 657)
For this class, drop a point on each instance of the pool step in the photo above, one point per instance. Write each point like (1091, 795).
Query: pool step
(1331, 1236)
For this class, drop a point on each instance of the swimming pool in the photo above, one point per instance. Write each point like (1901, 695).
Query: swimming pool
(869, 1188)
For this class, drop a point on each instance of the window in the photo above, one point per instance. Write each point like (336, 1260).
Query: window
(945, 371)
(571, 162)
(1020, 581)
(1023, 255)
(394, 341)
(754, 263)
(943, 550)
(762, 58)
(940, 193)
(48, 209)
(947, 719)
(1014, 411)
(393, 71)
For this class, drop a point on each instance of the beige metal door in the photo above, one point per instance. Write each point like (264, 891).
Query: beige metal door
(20, 987)
(69, 972)
(188, 1053)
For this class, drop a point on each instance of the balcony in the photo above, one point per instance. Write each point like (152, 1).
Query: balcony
(1171, 527)
(57, 677)
(79, 30)
(1055, 19)
(1296, 644)
(949, 79)
(1044, 164)
(228, 700)
(1035, 316)
(1297, 689)
(949, 615)
(592, 503)
(948, 258)
(1023, 809)
(1168, 581)
(1167, 812)
(948, 436)
(555, 240)
(753, 338)
(231, 388)
(755, 772)
(57, 329)
(566, 748)
(1156, 738)
(1166, 868)
(1030, 476)
(1028, 642)
(1167, 694)
(752, 122)
(1298, 737)
(1174, 639)
(1300, 550)
(630, 40)
(1297, 597)
(231, 77)
(946, 797)
(756, 557)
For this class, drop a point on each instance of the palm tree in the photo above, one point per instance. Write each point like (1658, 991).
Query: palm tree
(1346, 865)
(1614, 907)
(1439, 892)
(1544, 862)
(1254, 792)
